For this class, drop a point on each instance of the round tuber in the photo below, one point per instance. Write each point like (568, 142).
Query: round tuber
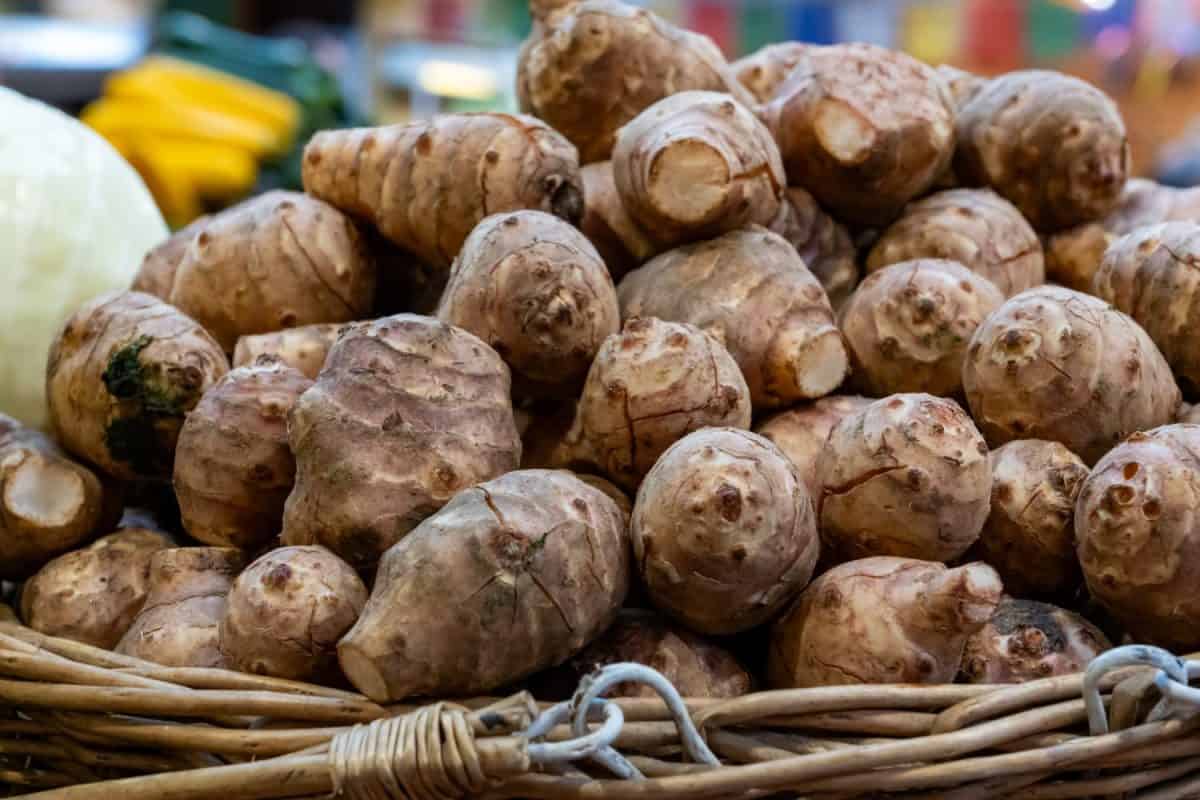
(303, 349)
(1026, 640)
(801, 433)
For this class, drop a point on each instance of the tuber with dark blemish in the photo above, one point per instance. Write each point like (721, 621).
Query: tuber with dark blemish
(1026, 640)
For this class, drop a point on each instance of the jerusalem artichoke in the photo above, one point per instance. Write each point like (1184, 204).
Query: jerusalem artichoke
(765, 69)
(620, 241)
(303, 349)
(801, 433)
(1026, 640)
(156, 276)
(826, 246)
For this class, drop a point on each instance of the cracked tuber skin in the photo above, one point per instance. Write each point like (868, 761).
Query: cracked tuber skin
(751, 291)
(882, 620)
(766, 68)
(907, 326)
(426, 184)
(906, 476)
(724, 532)
(287, 611)
(621, 242)
(801, 433)
(303, 349)
(823, 243)
(1059, 365)
(407, 412)
(525, 570)
(975, 227)
(1026, 640)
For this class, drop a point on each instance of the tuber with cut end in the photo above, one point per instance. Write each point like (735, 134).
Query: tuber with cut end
(1026, 640)
(882, 620)
(426, 184)
(865, 129)
(724, 532)
(751, 291)
(907, 326)
(156, 276)
(906, 476)
(286, 612)
(1029, 536)
(766, 68)
(823, 243)
(1055, 364)
(407, 412)
(801, 433)
(620, 241)
(233, 467)
(121, 375)
(303, 349)
(650, 385)
(522, 572)
(1052, 144)
(536, 290)
(93, 594)
(975, 227)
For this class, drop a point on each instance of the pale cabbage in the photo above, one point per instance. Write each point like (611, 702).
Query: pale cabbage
(75, 221)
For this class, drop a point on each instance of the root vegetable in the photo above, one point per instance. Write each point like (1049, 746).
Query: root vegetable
(975, 227)
(303, 349)
(92, 595)
(1050, 143)
(287, 611)
(233, 468)
(907, 326)
(525, 570)
(801, 433)
(426, 184)
(865, 129)
(156, 276)
(882, 620)
(750, 291)
(765, 69)
(407, 412)
(724, 532)
(619, 240)
(613, 492)
(906, 476)
(536, 290)
(826, 246)
(1026, 640)
(122, 374)
(1059, 365)
(963, 85)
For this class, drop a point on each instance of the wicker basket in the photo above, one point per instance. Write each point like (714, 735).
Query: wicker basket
(84, 723)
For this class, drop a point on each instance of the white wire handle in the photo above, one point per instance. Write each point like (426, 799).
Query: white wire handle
(1173, 675)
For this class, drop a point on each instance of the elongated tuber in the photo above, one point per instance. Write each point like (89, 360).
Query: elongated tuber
(407, 412)
(122, 374)
(801, 433)
(1059, 365)
(826, 246)
(525, 570)
(1026, 640)
(882, 620)
(620, 241)
(303, 349)
(765, 69)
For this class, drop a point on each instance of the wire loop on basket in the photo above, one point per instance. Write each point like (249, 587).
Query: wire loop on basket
(1171, 681)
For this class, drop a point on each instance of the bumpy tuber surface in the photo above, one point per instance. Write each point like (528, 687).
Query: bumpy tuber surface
(1052, 144)
(906, 476)
(724, 532)
(92, 595)
(536, 290)
(907, 326)
(975, 227)
(287, 611)
(826, 246)
(882, 620)
(303, 349)
(765, 69)
(156, 276)
(407, 412)
(750, 290)
(524, 570)
(122, 374)
(801, 433)
(179, 624)
(426, 184)
(651, 385)
(1026, 640)
(1029, 536)
(233, 467)
(697, 164)
(865, 129)
(620, 241)
(1056, 364)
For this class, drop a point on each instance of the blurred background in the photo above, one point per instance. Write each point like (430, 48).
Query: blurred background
(212, 99)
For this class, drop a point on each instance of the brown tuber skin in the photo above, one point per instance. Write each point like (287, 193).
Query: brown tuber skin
(749, 290)
(407, 412)
(801, 433)
(865, 129)
(1050, 143)
(764, 70)
(1029, 536)
(882, 620)
(975, 227)
(1026, 640)
(93, 594)
(536, 290)
(233, 468)
(156, 276)
(420, 183)
(651, 385)
(826, 246)
(907, 326)
(287, 611)
(1059, 365)
(906, 476)
(620, 241)
(303, 349)
(963, 85)
(122, 374)
(724, 533)
(524, 570)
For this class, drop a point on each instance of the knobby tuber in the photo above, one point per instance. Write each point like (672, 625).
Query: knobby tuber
(1026, 640)
(823, 243)
(620, 241)
(765, 69)
(801, 433)
(303, 349)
